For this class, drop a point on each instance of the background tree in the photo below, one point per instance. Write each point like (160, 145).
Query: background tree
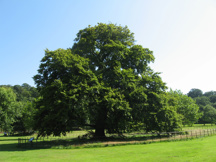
(26, 96)
(104, 81)
(8, 108)
(209, 115)
(193, 93)
(209, 93)
(168, 118)
(202, 101)
(25, 92)
(212, 99)
(206, 102)
(23, 107)
(187, 107)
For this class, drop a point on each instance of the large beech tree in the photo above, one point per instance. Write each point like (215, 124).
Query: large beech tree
(103, 81)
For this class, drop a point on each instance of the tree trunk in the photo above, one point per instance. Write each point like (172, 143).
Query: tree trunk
(101, 122)
(100, 132)
(100, 128)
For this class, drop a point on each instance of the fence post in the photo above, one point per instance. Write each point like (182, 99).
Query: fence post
(169, 137)
(160, 136)
(18, 142)
(152, 137)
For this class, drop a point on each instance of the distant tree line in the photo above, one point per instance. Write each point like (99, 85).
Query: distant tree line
(18, 111)
(207, 104)
(17, 107)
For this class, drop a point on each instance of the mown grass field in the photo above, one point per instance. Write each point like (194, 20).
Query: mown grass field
(199, 126)
(201, 149)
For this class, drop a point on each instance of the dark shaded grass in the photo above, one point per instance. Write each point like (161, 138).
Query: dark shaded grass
(93, 142)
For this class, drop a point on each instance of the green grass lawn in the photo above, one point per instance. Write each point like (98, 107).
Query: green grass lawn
(201, 149)
(199, 126)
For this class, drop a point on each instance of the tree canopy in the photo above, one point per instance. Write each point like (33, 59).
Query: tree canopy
(186, 107)
(17, 108)
(207, 105)
(195, 93)
(103, 81)
(8, 107)
(209, 115)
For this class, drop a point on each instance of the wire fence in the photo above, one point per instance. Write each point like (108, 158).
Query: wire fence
(76, 140)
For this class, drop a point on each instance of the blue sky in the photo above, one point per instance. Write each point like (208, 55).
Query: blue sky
(181, 33)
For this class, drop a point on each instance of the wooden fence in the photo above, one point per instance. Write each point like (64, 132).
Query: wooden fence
(75, 140)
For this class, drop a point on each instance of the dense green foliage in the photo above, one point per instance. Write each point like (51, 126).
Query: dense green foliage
(177, 109)
(207, 105)
(209, 114)
(195, 93)
(186, 107)
(17, 108)
(8, 108)
(104, 81)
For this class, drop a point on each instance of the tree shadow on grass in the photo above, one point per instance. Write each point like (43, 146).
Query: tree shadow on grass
(82, 143)
(10, 143)
(71, 143)
(11, 147)
(8, 139)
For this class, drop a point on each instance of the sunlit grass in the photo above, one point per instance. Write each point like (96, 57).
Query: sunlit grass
(201, 149)
(199, 126)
